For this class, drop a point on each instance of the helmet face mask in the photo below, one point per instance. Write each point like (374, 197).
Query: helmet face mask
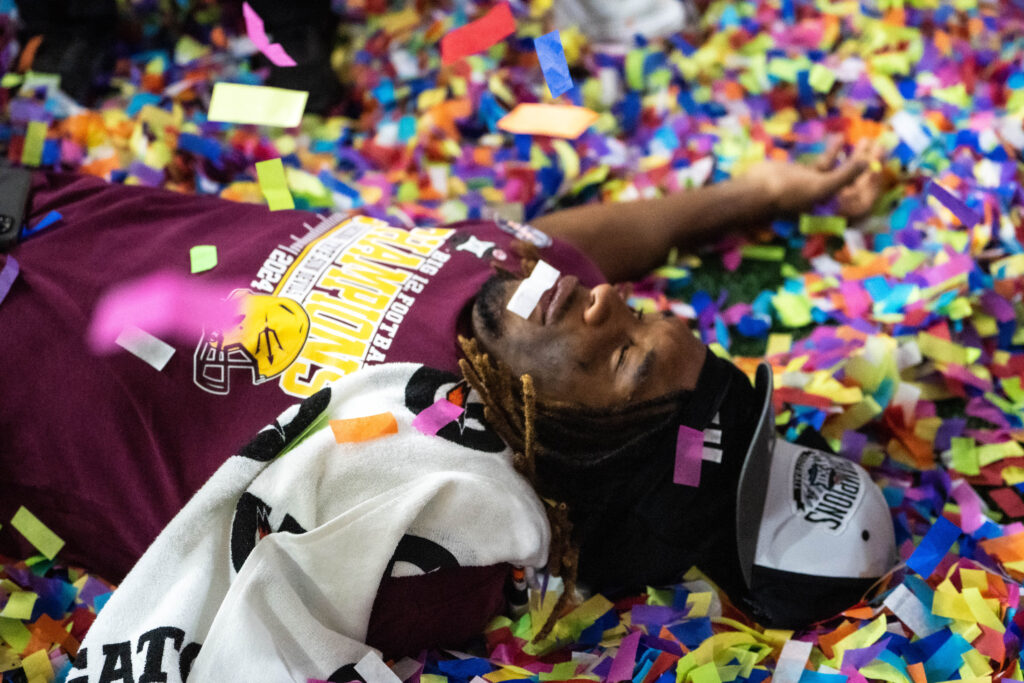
(265, 340)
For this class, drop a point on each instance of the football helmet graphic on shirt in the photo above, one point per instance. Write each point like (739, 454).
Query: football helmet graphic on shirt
(266, 339)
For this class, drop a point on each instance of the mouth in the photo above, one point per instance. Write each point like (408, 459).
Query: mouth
(554, 301)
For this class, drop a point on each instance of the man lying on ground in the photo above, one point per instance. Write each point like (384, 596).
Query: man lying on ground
(125, 446)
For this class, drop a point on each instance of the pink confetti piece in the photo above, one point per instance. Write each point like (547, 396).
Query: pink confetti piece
(625, 658)
(258, 35)
(957, 265)
(855, 298)
(971, 517)
(732, 259)
(689, 454)
(442, 413)
(164, 304)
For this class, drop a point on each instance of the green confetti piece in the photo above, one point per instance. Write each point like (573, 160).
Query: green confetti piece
(794, 310)
(821, 78)
(274, 185)
(964, 453)
(784, 69)
(635, 69)
(35, 137)
(763, 252)
(706, 673)
(203, 257)
(37, 533)
(822, 225)
(14, 633)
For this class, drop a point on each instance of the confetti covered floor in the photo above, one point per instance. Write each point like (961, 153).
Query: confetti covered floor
(899, 338)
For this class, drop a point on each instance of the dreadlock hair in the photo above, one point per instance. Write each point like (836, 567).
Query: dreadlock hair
(573, 455)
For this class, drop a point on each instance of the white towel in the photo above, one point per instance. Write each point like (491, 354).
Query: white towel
(269, 573)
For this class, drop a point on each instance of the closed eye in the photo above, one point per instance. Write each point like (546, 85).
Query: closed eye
(622, 354)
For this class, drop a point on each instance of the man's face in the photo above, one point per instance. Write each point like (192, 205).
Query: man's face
(586, 345)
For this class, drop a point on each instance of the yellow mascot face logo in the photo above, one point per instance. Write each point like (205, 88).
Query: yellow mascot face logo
(267, 338)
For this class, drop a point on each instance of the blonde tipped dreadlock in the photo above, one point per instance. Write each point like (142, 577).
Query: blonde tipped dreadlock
(510, 409)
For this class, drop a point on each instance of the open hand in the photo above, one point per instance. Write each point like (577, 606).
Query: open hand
(856, 182)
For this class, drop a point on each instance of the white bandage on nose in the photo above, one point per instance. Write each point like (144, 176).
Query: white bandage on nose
(530, 290)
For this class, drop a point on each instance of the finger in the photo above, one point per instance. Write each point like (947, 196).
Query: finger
(827, 159)
(842, 175)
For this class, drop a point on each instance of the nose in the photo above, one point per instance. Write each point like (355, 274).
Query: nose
(603, 301)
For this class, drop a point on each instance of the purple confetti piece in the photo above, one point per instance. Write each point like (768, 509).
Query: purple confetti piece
(968, 216)
(8, 275)
(625, 659)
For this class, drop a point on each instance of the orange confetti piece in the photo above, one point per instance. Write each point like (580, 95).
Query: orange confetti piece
(356, 429)
(828, 641)
(859, 613)
(556, 120)
(916, 671)
(1005, 548)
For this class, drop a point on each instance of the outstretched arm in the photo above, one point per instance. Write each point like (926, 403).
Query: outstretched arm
(629, 239)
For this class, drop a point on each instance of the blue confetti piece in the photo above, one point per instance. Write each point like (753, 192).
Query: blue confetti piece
(552, 62)
(406, 128)
(335, 185)
(385, 92)
(101, 600)
(667, 137)
(140, 100)
(755, 325)
(788, 12)
(45, 222)
(948, 659)
(730, 17)
(808, 676)
(200, 146)
(933, 547)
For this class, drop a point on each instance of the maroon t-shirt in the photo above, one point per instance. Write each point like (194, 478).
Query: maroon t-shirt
(106, 449)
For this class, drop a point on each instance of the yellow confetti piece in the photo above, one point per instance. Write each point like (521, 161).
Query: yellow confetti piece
(37, 666)
(699, 604)
(257, 104)
(982, 610)
(19, 605)
(883, 671)
(508, 673)
(946, 351)
(860, 638)
(778, 343)
(1013, 475)
(274, 185)
(994, 452)
(37, 533)
(857, 415)
(888, 91)
(35, 138)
